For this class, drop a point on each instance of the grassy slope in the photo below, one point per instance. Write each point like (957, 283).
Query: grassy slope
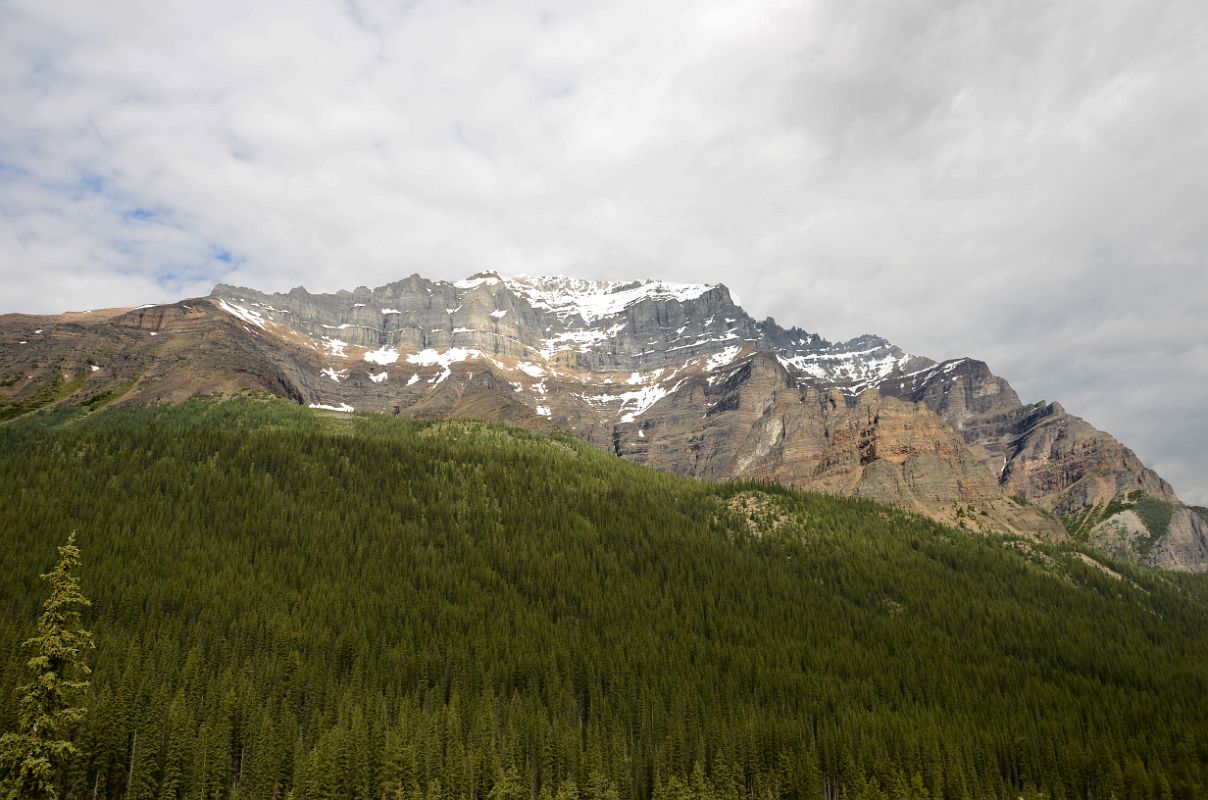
(260, 567)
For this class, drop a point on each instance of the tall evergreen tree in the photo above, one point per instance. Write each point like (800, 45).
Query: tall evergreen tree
(31, 758)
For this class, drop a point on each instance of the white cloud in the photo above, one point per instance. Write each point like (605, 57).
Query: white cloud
(1021, 182)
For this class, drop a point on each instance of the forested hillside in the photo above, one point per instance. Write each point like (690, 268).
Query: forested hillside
(288, 603)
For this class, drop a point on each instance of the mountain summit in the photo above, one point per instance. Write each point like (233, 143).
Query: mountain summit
(674, 376)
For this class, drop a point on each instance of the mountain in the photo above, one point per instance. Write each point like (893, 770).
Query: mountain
(291, 602)
(673, 376)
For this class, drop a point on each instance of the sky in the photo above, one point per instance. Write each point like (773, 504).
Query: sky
(1024, 181)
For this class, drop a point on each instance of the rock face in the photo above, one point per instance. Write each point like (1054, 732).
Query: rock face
(755, 422)
(675, 376)
(1154, 532)
(1038, 451)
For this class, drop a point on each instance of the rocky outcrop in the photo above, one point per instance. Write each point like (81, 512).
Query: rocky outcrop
(1040, 452)
(1184, 544)
(1156, 533)
(1065, 463)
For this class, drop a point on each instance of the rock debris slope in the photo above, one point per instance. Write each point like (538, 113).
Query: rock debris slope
(675, 376)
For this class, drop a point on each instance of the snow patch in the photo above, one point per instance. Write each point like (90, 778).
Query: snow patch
(723, 358)
(430, 357)
(335, 347)
(474, 283)
(641, 400)
(635, 403)
(530, 369)
(543, 411)
(499, 313)
(331, 373)
(379, 378)
(445, 360)
(341, 407)
(383, 356)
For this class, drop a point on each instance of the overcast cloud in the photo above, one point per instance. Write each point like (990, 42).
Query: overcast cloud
(1023, 182)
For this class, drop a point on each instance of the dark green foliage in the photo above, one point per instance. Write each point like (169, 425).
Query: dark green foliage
(1155, 514)
(31, 757)
(98, 401)
(44, 396)
(292, 604)
(1079, 523)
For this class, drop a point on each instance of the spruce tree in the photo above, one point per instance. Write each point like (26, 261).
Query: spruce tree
(31, 758)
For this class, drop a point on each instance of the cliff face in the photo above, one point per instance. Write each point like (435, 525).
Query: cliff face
(1040, 452)
(754, 422)
(675, 376)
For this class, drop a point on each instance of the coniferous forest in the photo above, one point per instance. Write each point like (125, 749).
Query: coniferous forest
(287, 603)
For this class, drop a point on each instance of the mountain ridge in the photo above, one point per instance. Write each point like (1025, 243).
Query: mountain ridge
(675, 376)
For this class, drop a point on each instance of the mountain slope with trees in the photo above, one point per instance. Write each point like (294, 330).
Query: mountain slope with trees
(291, 603)
(673, 376)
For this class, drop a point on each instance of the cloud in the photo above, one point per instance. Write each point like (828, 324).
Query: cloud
(1018, 181)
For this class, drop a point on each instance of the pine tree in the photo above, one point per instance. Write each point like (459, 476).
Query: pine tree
(31, 758)
(508, 787)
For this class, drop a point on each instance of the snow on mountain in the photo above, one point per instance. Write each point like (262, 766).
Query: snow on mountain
(245, 314)
(445, 360)
(382, 356)
(851, 370)
(557, 328)
(594, 300)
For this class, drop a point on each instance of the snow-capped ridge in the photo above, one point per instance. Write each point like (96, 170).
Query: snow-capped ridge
(547, 330)
(593, 300)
